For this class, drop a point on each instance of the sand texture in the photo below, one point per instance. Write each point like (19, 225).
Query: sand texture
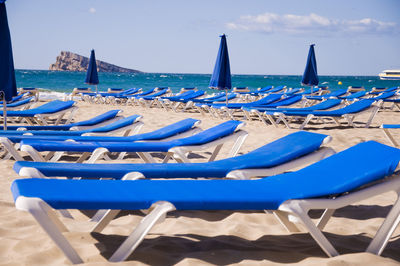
(207, 237)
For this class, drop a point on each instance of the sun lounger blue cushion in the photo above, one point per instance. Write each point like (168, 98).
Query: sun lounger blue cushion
(154, 95)
(18, 103)
(275, 153)
(47, 108)
(328, 95)
(14, 99)
(353, 95)
(126, 121)
(384, 95)
(390, 126)
(284, 102)
(90, 122)
(320, 106)
(162, 133)
(265, 100)
(205, 136)
(342, 172)
(355, 107)
(220, 97)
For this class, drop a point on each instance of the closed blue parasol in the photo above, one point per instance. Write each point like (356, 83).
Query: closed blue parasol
(8, 87)
(310, 76)
(221, 77)
(91, 76)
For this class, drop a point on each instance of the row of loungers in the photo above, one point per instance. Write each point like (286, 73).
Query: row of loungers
(261, 181)
(322, 185)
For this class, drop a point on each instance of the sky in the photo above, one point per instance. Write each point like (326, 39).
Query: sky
(267, 37)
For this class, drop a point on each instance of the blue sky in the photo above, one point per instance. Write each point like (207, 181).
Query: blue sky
(352, 37)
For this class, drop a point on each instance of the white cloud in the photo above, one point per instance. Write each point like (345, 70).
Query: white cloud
(311, 24)
(92, 10)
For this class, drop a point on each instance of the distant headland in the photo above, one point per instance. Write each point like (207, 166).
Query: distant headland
(68, 61)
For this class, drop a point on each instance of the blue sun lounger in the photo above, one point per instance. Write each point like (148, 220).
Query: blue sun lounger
(20, 104)
(348, 113)
(176, 148)
(322, 185)
(353, 96)
(127, 125)
(175, 102)
(183, 128)
(214, 109)
(286, 101)
(380, 90)
(148, 101)
(40, 114)
(102, 119)
(259, 111)
(218, 98)
(293, 150)
(333, 94)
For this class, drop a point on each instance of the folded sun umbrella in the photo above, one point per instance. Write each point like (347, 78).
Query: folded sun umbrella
(310, 76)
(91, 75)
(8, 87)
(221, 77)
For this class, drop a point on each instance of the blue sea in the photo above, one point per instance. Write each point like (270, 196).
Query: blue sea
(66, 81)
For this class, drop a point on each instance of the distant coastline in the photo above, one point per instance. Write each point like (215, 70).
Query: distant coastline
(68, 61)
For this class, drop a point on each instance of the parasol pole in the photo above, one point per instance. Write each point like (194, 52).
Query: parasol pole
(4, 110)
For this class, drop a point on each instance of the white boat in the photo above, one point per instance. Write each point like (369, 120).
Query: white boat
(392, 74)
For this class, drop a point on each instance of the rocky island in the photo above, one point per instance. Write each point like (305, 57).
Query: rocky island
(68, 61)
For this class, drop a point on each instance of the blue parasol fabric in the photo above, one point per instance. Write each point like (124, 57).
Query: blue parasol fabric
(310, 76)
(7, 73)
(221, 77)
(91, 75)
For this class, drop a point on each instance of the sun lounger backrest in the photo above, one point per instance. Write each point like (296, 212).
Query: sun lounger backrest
(345, 171)
(165, 132)
(357, 106)
(50, 107)
(126, 121)
(209, 134)
(287, 101)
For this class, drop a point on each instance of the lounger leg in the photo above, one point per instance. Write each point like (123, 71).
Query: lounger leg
(47, 219)
(215, 152)
(282, 217)
(146, 157)
(373, 114)
(325, 218)
(388, 135)
(281, 118)
(318, 236)
(136, 237)
(308, 119)
(35, 155)
(9, 147)
(386, 230)
(54, 156)
(97, 154)
(238, 144)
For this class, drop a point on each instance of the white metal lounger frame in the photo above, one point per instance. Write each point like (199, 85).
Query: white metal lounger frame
(348, 117)
(290, 212)
(11, 149)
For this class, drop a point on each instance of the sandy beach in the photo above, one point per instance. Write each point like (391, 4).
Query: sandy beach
(207, 237)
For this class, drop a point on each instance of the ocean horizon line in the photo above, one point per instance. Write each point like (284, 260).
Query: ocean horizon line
(187, 73)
